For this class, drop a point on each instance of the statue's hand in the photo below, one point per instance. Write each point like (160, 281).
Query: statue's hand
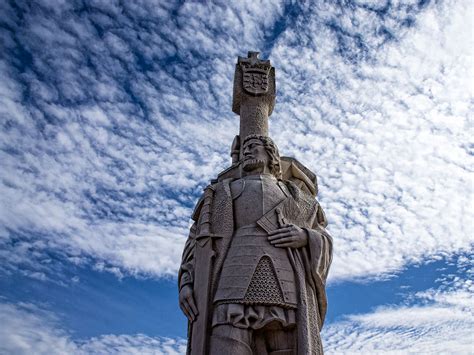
(187, 304)
(288, 236)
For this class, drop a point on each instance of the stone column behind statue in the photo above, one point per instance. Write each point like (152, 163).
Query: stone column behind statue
(254, 94)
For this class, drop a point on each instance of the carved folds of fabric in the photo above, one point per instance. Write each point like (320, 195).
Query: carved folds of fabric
(252, 316)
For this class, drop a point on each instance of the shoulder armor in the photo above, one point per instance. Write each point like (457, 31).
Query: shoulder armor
(197, 209)
(200, 203)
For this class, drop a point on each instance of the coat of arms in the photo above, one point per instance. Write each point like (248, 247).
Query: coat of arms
(255, 74)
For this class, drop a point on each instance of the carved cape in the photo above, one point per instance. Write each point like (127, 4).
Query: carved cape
(311, 263)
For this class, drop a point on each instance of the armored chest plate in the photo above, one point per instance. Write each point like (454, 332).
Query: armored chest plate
(254, 271)
(253, 197)
(250, 258)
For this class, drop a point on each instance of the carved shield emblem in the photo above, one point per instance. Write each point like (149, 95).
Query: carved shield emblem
(255, 81)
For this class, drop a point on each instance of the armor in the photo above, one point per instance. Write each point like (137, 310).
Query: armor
(254, 271)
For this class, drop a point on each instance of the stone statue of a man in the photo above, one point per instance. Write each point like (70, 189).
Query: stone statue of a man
(254, 267)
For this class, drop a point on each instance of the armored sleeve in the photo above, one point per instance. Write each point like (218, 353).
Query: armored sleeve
(186, 270)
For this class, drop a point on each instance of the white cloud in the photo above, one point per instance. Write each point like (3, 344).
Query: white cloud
(27, 329)
(443, 325)
(114, 122)
(388, 136)
(433, 321)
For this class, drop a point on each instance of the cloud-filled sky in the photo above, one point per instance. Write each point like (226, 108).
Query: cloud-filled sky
(114, 115)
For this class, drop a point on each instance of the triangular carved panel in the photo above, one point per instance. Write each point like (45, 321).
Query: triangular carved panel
(264, 287)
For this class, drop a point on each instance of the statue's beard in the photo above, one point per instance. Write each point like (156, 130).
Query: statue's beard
(254, 164)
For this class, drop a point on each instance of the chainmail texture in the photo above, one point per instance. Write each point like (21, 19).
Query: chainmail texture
(264, 287)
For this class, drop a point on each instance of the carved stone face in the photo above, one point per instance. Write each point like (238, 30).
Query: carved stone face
(256, 158)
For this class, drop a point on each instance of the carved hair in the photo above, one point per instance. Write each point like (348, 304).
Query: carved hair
(272, 151)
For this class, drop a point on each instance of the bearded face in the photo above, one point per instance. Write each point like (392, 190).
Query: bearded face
(256, 158)
(253, 164)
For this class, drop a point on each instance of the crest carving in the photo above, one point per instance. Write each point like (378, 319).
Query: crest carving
(255, 74)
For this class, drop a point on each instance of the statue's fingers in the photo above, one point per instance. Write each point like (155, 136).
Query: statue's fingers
(285, 245)
(192, 304)
(280, 230)
(282, 240)
(278, 239)
(279, 235)
(185, 311)
(190, 312)
(289, 242)
(286, 242)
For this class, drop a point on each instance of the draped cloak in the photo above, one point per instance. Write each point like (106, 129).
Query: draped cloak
(310, 263)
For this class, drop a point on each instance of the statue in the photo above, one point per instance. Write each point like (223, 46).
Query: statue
(254, 267)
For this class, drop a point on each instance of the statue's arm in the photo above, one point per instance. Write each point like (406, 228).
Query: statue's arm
(294, 236)
(319, 244)
(186, 277)
(186, 270)
(316, 239)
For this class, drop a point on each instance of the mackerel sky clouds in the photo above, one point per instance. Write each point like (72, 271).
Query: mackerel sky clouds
(114, 116)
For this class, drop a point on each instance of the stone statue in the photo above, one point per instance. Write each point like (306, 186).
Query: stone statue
(254, 267)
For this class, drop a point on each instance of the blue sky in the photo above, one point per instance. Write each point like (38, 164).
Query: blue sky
(114, 115)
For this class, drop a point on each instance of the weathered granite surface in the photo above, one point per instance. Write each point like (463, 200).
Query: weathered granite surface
(254, 267)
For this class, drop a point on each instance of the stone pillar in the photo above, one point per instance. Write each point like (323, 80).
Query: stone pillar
(254, 94)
